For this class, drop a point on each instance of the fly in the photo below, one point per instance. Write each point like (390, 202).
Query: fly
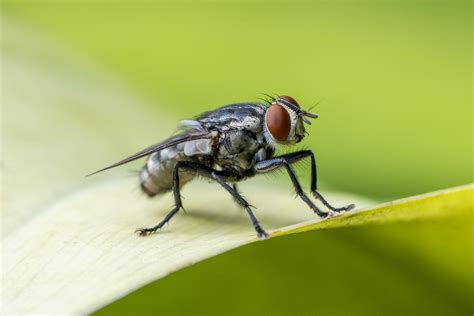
(228, 145)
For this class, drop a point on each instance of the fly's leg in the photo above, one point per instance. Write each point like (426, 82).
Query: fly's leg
(177, 207)
(209, 173)
(318, 195)
(346, 208)
(272, 164)
(285, 160)
(260, 232)
(218, 177)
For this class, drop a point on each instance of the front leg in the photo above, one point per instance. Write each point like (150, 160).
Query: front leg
(285, 160)
(272, 164)
(318, 195)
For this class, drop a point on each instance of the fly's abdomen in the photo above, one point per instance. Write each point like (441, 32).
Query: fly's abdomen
(156, 177)
(148, 180)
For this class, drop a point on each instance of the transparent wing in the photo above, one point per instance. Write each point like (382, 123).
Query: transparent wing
(178, 139)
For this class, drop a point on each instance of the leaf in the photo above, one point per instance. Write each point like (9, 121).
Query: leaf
(416, 266)
(452, 202)
(81, 253)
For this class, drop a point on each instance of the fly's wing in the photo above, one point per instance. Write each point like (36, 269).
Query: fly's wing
(234, 116)
(178, 139)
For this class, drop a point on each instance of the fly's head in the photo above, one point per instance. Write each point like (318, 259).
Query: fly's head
(284, 120)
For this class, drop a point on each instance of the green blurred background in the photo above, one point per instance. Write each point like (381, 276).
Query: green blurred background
(394, 78)
(395, 84)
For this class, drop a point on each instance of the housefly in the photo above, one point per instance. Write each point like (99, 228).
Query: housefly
(228, 145)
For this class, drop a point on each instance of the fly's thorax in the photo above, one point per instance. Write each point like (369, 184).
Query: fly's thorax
(248, 116)
(237, 149)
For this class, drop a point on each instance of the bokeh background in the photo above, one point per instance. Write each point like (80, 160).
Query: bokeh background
(393, 78)
(393, 84)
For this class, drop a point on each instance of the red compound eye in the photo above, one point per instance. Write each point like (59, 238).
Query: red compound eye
(278, 122)
(290, 99)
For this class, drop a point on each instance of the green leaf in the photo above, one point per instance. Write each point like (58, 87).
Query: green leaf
(415, 260)
(453, 202)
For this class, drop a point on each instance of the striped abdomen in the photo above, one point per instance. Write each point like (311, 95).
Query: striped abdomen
(156, 177)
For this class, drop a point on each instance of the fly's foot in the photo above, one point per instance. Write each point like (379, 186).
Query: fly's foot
(147, 231)
(318, 212)
(336, 210)
(323, 215)
(332, 214)
(329, 214)
(261, 233)
(151, 230)
(346, 208)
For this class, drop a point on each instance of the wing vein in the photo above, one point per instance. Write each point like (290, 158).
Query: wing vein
(155, 148)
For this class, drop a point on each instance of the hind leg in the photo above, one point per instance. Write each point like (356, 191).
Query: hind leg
(219, 177)
(177, 207)
(216, 176)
